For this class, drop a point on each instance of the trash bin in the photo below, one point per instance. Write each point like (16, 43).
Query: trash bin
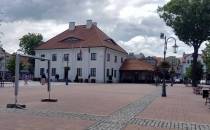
(205, 93)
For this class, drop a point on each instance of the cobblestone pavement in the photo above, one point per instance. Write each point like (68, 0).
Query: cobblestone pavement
(180, 105)
(111, 122)
(120, 118)
(53, 114)
(169, 124)
(182, 111)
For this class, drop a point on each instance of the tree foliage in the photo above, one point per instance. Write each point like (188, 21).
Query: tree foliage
(199, 72)
(164, 64)
(206, 57)
(190, 20)
(11, 65)
(29, 42)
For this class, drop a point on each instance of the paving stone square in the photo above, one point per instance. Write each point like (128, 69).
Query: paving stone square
(179, 105)
(104, 107)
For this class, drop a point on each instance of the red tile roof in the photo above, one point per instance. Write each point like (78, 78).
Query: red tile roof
(92, 37)
(136, 64)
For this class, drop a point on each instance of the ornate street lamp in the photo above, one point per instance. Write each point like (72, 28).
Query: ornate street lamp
(162, 36)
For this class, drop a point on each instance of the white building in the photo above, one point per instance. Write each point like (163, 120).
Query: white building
(88, 52)
(187, 60)
(4, 58)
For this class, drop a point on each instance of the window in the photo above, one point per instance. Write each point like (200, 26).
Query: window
(108, 57)
(112, 72)
(121, 60)
(93, 56)
(79, 56)
(54, 57)
(93, 72)
(66, 57)
(42, 56)
(41, 71)
(79, 71)
(71, 40)
(111, 41)
(53, 71)
(115, 59)
(107, 72)
(115, 73)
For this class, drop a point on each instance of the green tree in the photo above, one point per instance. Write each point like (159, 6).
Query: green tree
(199, 72)
(190, 20)
(206, 57)
(29, 42)
(11, 65)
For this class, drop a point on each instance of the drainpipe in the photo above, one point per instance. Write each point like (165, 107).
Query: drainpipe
(105, 65)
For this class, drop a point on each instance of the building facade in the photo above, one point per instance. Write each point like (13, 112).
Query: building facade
(187, 60)
(137, 71)
(4, 58)
(87, 53)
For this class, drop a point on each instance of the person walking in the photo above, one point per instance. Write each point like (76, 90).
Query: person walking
(25, 79)
(43, 79)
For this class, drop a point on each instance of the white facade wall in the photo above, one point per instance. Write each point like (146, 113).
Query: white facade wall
(188, 62)
(85, 64)
(114, 65)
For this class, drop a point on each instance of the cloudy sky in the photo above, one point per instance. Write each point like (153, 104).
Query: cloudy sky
(134, 24)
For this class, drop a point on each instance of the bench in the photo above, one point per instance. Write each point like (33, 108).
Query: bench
(205, 94)
(197, 90)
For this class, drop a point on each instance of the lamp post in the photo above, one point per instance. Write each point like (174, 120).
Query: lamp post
(162, 36)
(173, 72)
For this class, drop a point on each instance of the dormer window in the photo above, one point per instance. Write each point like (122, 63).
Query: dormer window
(111, 41)
(71, 40)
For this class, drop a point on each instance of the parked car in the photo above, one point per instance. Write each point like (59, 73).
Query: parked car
(177, 80)
(202, 81)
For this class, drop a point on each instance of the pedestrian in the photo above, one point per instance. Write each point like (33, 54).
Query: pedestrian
(43, 79)
(186, 81)
(26, 79)
(57, 77)
(172, 81)
(156, 81)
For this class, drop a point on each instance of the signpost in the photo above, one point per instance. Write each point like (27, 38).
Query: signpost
(17, 68)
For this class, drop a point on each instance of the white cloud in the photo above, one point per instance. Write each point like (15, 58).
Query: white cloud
(13, 31)
(130, 12)
(153, 46)
(135, 24)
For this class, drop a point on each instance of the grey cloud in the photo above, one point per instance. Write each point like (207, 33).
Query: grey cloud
(144, 2)
(150, 26)
(62, 10)
(76, 10)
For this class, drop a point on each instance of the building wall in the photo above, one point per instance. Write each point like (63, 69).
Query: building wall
(112, 65)
(85, 64)
(188, 61)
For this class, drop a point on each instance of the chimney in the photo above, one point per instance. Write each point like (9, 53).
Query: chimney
(71, 26)
(89, 24)
(95, 23)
